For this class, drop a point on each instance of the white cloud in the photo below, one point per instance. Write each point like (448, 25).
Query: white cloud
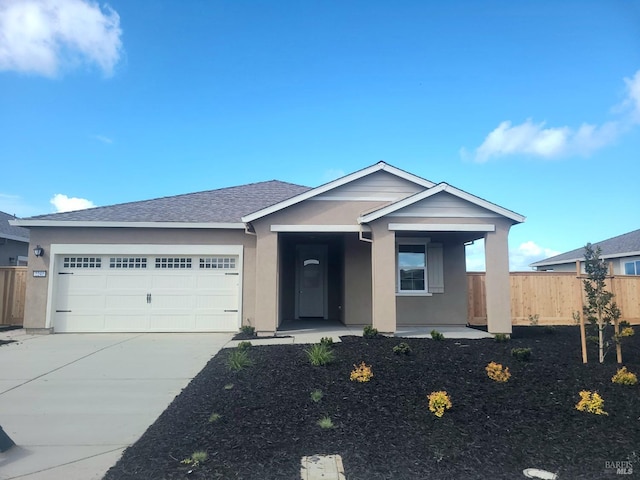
(103, 139)
(526, 253)
(633, 96)
(519, 257)
(62, 203)
(535, 139)
(42, 36)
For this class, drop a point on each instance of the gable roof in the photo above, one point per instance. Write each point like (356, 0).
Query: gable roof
(623, 245)
(9, 231)
(441, 187)
(380, 166)
(223, 206)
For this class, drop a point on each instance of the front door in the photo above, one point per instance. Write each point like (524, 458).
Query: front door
(311, 281)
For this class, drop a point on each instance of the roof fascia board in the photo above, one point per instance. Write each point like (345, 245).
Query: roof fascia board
(443, 227)
(320, 228)
(335, 184)
(84, 223)
(15, 238)
(441, 187)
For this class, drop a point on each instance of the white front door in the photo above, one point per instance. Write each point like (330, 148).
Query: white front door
(311, 281)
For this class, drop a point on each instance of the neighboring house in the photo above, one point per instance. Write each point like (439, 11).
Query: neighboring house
(377, 247)
(14, 243)
(623, 252)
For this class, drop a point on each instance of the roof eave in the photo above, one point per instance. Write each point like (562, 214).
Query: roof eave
(120, 224)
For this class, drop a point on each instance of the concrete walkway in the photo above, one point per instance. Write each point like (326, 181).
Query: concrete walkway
(73, 402)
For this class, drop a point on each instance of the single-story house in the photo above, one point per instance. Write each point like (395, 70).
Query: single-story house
(623, 252)
(14, 243)
(379, 247)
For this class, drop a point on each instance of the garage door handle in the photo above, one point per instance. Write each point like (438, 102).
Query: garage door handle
(63, 311)
(228, 311)
(148, 298)
(65, 273)
(231, 273)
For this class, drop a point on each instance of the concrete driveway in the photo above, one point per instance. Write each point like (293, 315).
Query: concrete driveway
(73, 402)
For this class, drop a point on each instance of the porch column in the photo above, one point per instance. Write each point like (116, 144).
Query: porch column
(498, 293)
(266, 321)
(383, 278)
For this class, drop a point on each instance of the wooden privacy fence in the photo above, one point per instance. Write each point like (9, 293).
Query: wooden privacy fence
(554, 297)
(13, 281)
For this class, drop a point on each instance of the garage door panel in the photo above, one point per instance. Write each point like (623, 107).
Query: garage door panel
(105, 294)
(128, 281)
(173, 280)
(172, 323)
(118, 322)
(66, 322)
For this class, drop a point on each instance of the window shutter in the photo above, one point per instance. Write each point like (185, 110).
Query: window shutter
(435, 268)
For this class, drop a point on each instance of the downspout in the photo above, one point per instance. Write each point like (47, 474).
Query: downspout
(361, 238)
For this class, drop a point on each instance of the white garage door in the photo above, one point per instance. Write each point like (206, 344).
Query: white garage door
(146, 293)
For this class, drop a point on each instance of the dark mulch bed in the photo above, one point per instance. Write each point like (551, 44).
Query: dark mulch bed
(383, 429)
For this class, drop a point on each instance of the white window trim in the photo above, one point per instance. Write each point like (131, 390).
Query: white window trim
(412, 293)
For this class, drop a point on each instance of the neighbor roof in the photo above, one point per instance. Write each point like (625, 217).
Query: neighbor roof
(10, 232)
(623, 245)
(224, 206)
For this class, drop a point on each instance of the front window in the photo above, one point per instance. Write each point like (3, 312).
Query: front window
(632, 268)
(412, 266)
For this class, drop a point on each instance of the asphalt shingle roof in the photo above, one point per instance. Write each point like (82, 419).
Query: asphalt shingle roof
(224, 205)
(7, 230)
(622, 244)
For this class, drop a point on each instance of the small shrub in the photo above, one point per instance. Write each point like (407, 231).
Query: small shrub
(369, 332)
(624, 377)
(325, 422)
(238, 360)
(591, 403)
(533, 319)
(436, 335)
(316, 396)
(497, 372)
(248, 330)
(627, 332)
(319, 354)
(196, 458)
(361, 373)
(402, 349)
(438, 402)
(522, 354)
(328, 341)
(501, 337)
(244, 345)
(214, 417)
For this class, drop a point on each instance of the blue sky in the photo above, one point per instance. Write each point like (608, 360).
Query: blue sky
(534, 106)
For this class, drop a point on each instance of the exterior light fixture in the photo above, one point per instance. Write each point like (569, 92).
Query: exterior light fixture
(38, 251)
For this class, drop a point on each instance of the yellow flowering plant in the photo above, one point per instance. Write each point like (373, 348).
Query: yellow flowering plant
(591, 402)
(497, 372)
(361, 373)
(438, 402)
(624, 377)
